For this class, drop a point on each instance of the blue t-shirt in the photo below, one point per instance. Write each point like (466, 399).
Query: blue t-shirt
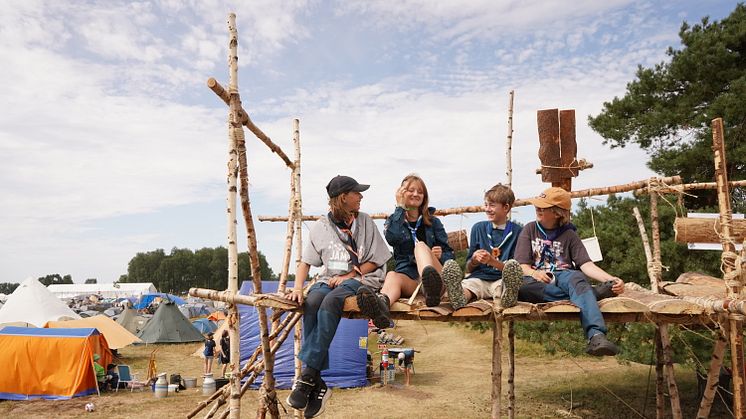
(485, 236)
(209, 348)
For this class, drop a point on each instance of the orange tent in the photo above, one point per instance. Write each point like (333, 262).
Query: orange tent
(217, 315)
(50, 363)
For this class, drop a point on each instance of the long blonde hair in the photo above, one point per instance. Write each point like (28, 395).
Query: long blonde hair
(423, 208)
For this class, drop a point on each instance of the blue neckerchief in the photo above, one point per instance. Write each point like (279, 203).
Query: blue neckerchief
(413, 230)
(505, 236)
(546, 248)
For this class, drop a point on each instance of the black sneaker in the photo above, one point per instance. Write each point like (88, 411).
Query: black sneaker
(603, 290)
(600, 346)
(432, 285)
(512, 281)
(302, 389)
(373, 307)
(318, 399)
(452, 277)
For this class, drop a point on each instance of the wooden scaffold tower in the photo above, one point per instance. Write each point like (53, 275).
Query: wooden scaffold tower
(664, 304)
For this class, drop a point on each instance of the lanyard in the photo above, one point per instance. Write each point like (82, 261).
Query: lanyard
(413, 230)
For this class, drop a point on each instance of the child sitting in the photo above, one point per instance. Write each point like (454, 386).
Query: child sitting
(488, 263)
(550, 253)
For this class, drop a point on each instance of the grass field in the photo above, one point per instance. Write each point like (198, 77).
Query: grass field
(452, 380)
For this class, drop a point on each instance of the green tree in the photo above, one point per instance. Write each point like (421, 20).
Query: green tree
(55, 279)
(7, 288)
(667, 110)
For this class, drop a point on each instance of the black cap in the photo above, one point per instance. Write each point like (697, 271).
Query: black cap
(343, 184)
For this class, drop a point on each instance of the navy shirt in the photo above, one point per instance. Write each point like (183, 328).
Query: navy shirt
(485, 236)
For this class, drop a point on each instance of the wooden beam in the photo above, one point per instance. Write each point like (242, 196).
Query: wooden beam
(246, 120)
(706, 230)
(583, 193)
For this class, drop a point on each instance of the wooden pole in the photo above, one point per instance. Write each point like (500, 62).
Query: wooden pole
(497, 336)
(660, 402)
(713, 374)
(509, 144)
(246, 120)
(511, 370)
(733, 283)
(298, 209)
(583, 193)
(235, 134)
(665, 341)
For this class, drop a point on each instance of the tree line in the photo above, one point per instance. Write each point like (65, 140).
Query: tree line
(182, 269)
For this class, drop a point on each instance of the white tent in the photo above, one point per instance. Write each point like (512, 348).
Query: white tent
(32, 303)
(110, 290)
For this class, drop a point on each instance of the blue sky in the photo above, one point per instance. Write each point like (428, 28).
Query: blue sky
(112, 144)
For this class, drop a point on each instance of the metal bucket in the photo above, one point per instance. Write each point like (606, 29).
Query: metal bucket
(190, 382)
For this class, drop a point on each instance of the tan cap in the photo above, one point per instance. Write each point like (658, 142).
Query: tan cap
(552, 197)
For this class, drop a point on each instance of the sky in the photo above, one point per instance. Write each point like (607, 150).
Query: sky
(111, 143)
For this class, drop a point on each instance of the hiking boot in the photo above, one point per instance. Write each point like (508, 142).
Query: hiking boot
(603, 290)
(318, 399)
(600, 346)
(302, 389)
(432, 286)
(452, 277)
(512, 280)
(374, 307)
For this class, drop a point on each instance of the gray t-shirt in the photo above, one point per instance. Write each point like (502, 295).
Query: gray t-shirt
(326, 248)
(566, 251)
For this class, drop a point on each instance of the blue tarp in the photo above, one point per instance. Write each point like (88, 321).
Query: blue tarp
(146, 299)
(79, 332)
(204, 326)
(347, 360)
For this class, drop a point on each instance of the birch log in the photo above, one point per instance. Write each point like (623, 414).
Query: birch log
(497, 336)
(660, 401)
(235, 134)
(246, 120)
(509, 143)
(583, 193)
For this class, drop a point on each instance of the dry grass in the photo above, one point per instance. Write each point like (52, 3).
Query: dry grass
(452, 380)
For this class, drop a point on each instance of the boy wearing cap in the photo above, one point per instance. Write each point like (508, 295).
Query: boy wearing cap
(347, 245)
(489, 263)
(550, 253)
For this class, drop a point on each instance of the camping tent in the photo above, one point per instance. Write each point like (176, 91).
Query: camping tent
(106, 290)
(116, 335)
(347, 353)
(32, 303)
(146, 299)
(50, 363)
(130, 320)
(168, 325)
(204, 326)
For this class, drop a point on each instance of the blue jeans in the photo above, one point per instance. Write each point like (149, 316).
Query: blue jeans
(322, 310)
(569, 285)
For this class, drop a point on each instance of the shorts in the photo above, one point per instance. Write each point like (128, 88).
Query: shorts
(481, 288)
(209, 357)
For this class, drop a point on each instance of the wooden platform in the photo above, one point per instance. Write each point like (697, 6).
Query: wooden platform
(636, 304)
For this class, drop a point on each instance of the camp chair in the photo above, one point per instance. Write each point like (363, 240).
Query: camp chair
(125, 376)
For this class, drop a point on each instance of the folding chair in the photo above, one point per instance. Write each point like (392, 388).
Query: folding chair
(127, 377)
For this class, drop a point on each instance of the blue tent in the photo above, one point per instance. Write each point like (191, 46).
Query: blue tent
(347, 354)
(146, 299)
(204, 326)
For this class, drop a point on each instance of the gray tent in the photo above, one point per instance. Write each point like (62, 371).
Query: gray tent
(130, 320)
(168, 325)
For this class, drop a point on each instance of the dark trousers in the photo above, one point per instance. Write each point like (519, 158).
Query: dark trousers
(569, 285)
(322, 311)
